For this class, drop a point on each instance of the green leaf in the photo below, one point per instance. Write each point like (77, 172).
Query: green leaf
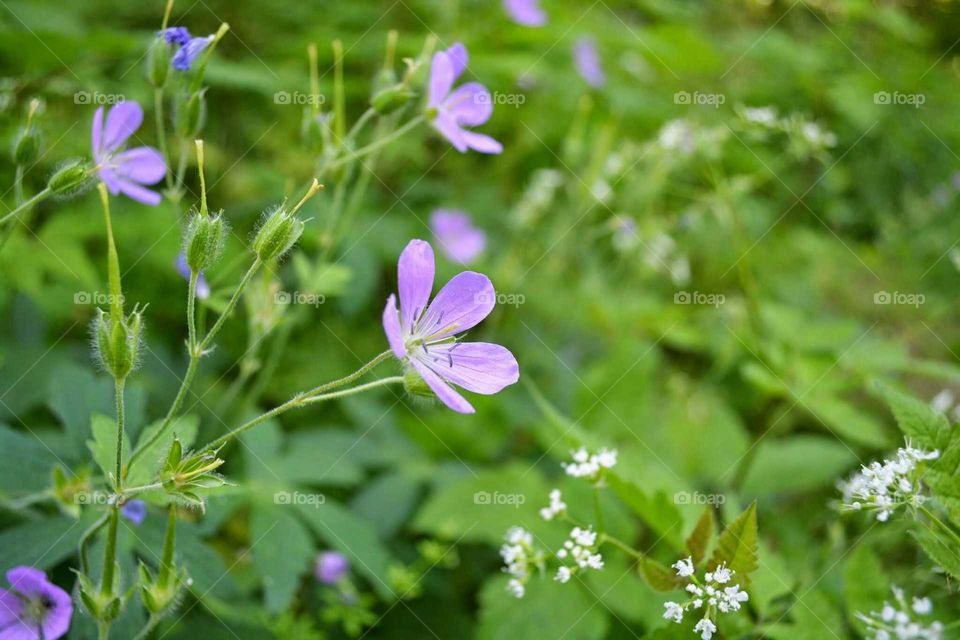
(846, 420)
(183, 428)
(940, 549)
(796, 463)
(25, 461)
(40, 543)
(104, 444)
(659, 576)
(917, 419)
(282, 550)
(388, 501)
(865, 584)
(737, 546)
(75, 394)
(699, 538)
(658, 511)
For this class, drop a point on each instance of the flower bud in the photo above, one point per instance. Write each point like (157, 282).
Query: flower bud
(117, 344)
(384, 79)
(70, 179)
(414, 384)
(101, 607)
(203, 241)
(190, 112)
(158, 62)
(277, 235)
(26, 146)
(390, 99)
(160, 598)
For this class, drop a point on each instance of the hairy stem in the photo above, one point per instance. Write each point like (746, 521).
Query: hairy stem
(41, 196)
(373, 146)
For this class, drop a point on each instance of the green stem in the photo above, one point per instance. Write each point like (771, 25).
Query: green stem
(132, 491)
(360, 124)
(18, 184)
(85, 540)
(191, 312)
(118, 387)
(169, 545)
(373, 146)
(295, 402)
(620, 544)
(162, 132)
(152, 622)
(110, 555)
(41, 196)
(230, 305)
(356, 375)
(598, 510)
(940, 523)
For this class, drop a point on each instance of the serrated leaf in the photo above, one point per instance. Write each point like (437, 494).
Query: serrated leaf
(737, 546)
(917, 419)
(941, 550)
(658, 511)
(699, 538)
(658, 576)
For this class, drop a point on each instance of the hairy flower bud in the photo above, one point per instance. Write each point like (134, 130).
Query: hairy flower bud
(117, 344)
(203, 241)
(278, 233)
(26, 146)
(189, 113)
(158, 62)
(384, 79)
(388, 100)
(70, 179)
(414, 384)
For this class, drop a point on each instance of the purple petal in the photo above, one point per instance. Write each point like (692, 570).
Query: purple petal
(27, 580)
(141, 164)
(449, 129)
(458, 57)
(184, 57)
(444, 391)
(203, 287)
(441, 79)
(482, 143)
(415, 281)
(20, 630)
(470, 104)
(96, 132)
(391, 327)
(462, 303)
(330, 567)
(480, 367)
(587, 60)
(141, 194)
(526, 12)
(460, 241)
(109, 177)
(10, 606)
(135, 511)
(176, 35)
(57, 622)
(122, 121)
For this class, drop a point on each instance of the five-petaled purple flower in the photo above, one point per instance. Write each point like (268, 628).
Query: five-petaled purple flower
(33, 607)
(125, 171)
(459, 239)
(470, 105)
(330, 567)
(203, 288)
(135, 511)
(189, 47)
(526, 12)
(587, 60)
(425, 336)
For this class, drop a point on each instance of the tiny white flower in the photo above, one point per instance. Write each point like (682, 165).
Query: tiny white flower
(705, 628)
(685, 568)
(516, 588)
(923, 606)
(563, 574)
(673, 612)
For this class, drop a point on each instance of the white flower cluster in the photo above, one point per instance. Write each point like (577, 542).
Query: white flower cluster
(582, 549)
(766, 116)
(557, 506)
(589, 466)
(883, 487)
(520, 559)
(716, 593)
(896, 622)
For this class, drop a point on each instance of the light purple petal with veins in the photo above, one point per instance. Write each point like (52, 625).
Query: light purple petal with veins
(391, 326)
(470, 104)
(123, 120)
(141, 194)
(415, 271)
(141, 164)
(526, 12)
(480, 367)
(461, 305)
(445, 392)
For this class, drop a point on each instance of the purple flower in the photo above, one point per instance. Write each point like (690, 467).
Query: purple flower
(125, 171)
(459, 239)
(189, 47)
(470, 105)
(33, 607)
(587, 60)
(330, 567)
(176, 35)
(425, 336)
(203, 289)
(526, 12)
(135, 511)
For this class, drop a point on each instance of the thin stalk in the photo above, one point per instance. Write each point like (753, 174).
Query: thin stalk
(623, 546)
(39, 197)
(295, 402)
(110, 555)
(215, 329)
(162, 130)
(191, 311)
(85, 540)
(373, 146)
(118, 387)
(169, 545)
(18, 184)
(132, 491)
(940, 523)
(356, 375)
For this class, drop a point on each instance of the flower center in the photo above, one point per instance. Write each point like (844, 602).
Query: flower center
(36, 609)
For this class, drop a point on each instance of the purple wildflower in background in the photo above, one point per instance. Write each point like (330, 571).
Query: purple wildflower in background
(526, 12)
(125, 171)
(459, 239)
(587, 60)
(203, 288)
(426, 336)
(33, 607)
(470, 105)
(330, 567)
(135, 511)
(189, 47)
